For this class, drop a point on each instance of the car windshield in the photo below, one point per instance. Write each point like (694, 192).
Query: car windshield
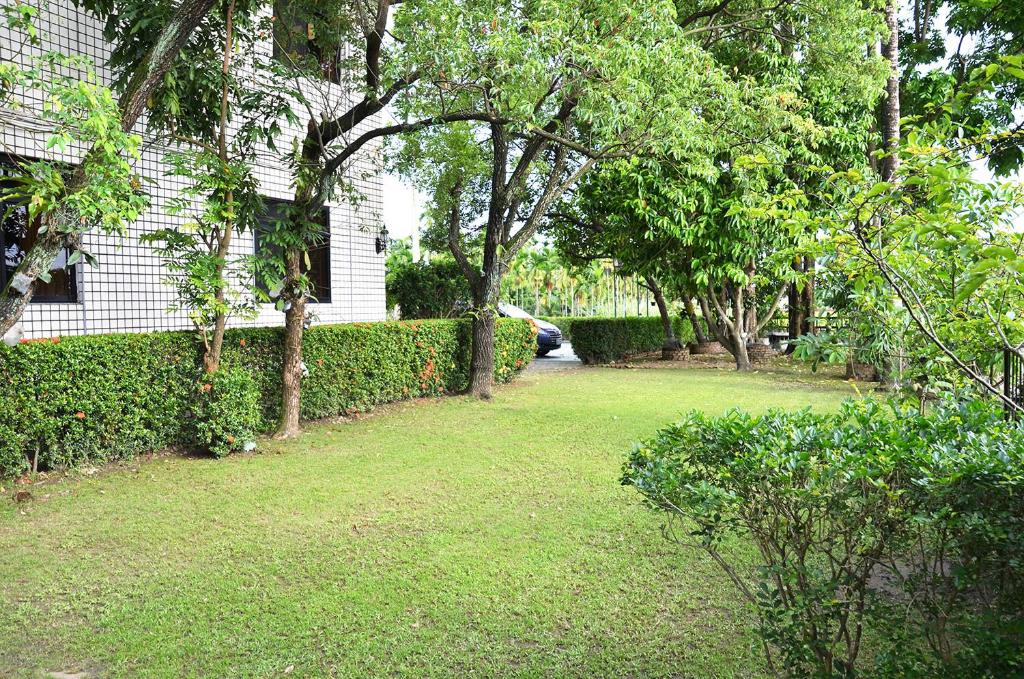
(512, 311)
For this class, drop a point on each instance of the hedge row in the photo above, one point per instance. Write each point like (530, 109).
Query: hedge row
(103, 397)
(602, 340)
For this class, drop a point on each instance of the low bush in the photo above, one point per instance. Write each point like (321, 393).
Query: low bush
(869, 526)
(226, 411)
(602, 340)
(105, 397)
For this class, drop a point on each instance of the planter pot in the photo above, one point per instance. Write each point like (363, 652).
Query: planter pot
(759, 352)
(674, 353)
(707, 349)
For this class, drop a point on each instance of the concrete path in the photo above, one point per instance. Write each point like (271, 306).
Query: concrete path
(562, 359)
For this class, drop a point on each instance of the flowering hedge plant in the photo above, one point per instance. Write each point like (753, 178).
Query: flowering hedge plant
(107, 397)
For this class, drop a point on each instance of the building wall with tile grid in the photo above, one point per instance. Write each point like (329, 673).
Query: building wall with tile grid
(127, 293)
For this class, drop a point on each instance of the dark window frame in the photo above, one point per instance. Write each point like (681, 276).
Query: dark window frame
(319, 255)
(72, 291)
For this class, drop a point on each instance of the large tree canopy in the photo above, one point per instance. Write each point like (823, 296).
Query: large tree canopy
(548, 91)
(805, 92)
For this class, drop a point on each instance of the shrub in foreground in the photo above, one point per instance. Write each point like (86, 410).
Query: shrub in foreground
(869, 525)
(98, 398)
(602, 340)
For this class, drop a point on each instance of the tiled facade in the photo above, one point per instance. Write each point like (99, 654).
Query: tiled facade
(127, 293)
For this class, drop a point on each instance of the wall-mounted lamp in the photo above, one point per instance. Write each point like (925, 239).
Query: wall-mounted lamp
(382, 240)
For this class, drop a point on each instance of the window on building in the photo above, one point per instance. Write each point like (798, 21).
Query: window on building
(17, 235)
(319, 269)
(303, 36)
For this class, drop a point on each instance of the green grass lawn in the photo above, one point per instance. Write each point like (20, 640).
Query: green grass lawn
(436, 538)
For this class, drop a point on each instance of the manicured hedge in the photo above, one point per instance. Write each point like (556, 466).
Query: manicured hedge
(105, 397)
(601, 340)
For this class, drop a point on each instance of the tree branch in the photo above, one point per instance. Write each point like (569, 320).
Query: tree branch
(455, 237)
(332, 165)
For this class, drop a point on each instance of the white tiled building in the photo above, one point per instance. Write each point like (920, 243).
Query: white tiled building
(127, 293)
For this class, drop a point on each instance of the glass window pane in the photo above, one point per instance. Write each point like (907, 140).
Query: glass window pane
(319, 270)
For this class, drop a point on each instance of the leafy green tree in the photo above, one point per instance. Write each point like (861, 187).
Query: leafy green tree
(806, 91)
(322, 48)
(586, 230)
(941, 241)
(554, 89)
(943, 43)
(216, 150)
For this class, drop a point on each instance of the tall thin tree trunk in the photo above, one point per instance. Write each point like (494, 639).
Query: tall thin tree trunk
(891, 105)
(738, 329)
(211, 361)
(488, 288)
(308, 200)
(698, 330)
(808, 297)
(742, 357)
(796, 308)
(291, 369)
(750, 294)
(481, 364)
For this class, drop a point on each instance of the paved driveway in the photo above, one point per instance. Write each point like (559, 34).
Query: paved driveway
(562, 359)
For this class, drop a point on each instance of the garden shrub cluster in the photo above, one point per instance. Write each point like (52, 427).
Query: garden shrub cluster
(602, 340)
(96, 398)
(889, 542)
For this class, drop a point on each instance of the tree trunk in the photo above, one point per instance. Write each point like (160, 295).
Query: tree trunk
(481, 365)
(742, 357)
(891, 106)
(671, 343)
(38, 260)
(801, 302)
(211, 361)
(727, 323)
(750, 294)
(796, 308)
(808, 297)
(738, 330)
(485, 313)
(291, 368)
(173, 38)
(691, 313)
(715, 326)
